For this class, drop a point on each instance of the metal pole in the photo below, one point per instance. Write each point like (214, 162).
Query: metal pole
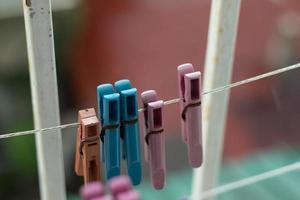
(40, 47)
(222, 32)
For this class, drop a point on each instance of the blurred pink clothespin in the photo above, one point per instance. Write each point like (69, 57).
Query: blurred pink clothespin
(130, 195)
(121, 189)
(191, 123)
(92, 191)
(154, 138)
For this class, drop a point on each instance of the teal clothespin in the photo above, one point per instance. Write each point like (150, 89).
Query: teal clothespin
(130, 129)
(109, 112)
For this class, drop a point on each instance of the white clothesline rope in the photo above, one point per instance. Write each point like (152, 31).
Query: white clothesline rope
(249, 181)
(168, 102)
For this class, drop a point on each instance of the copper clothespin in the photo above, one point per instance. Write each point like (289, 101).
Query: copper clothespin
(87, 161)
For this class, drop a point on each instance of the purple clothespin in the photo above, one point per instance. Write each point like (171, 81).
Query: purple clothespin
(154, 138)
(92, 191)
(191, 126)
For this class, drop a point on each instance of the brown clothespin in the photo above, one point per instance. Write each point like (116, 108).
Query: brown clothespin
(87, 159)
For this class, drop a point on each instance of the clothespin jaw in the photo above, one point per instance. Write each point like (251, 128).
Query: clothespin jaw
(192, 83)
(155, 123)
(87, 157)
(109, 111)
(191, 121)
(154, 138)
(130, 129)
(103, 89)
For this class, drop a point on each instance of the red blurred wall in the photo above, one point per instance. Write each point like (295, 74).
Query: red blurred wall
(145, 41)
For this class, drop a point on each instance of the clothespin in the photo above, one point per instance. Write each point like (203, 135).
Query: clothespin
(130, 129)
(109, 112)
(91, 191)
(154, 138)
(87, 159)
(190, 104)
(94, 191)
(118, 185)
(121, 189)
(130, 195)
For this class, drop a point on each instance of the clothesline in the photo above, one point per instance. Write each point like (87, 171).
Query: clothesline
(250, 180)
(168, 102)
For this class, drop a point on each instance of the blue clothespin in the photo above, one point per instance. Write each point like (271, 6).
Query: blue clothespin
(130, 129)
(109, 112)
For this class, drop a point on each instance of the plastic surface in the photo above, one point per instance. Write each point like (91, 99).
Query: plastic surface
(155, 148)
(130, 129)
(108, 107)
(190, 93)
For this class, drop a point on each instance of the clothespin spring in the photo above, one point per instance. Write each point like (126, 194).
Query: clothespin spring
(104, 128)
(185, 109)
(127, 122)
(89, 140)
(152, 133)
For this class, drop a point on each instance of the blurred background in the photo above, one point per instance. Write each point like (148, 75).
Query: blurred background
(99, 41)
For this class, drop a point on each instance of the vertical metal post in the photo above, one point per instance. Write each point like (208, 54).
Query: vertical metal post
(222, 32)
(40, 47)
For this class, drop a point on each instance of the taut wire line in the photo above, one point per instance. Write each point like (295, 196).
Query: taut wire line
(21, 133)
(168, 102)
(250, 180)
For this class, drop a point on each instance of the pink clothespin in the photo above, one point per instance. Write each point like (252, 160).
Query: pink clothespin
(191, 123)
(119, 184)
(92, 191)
(121, 189)
(154, 138)
(130, 195)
